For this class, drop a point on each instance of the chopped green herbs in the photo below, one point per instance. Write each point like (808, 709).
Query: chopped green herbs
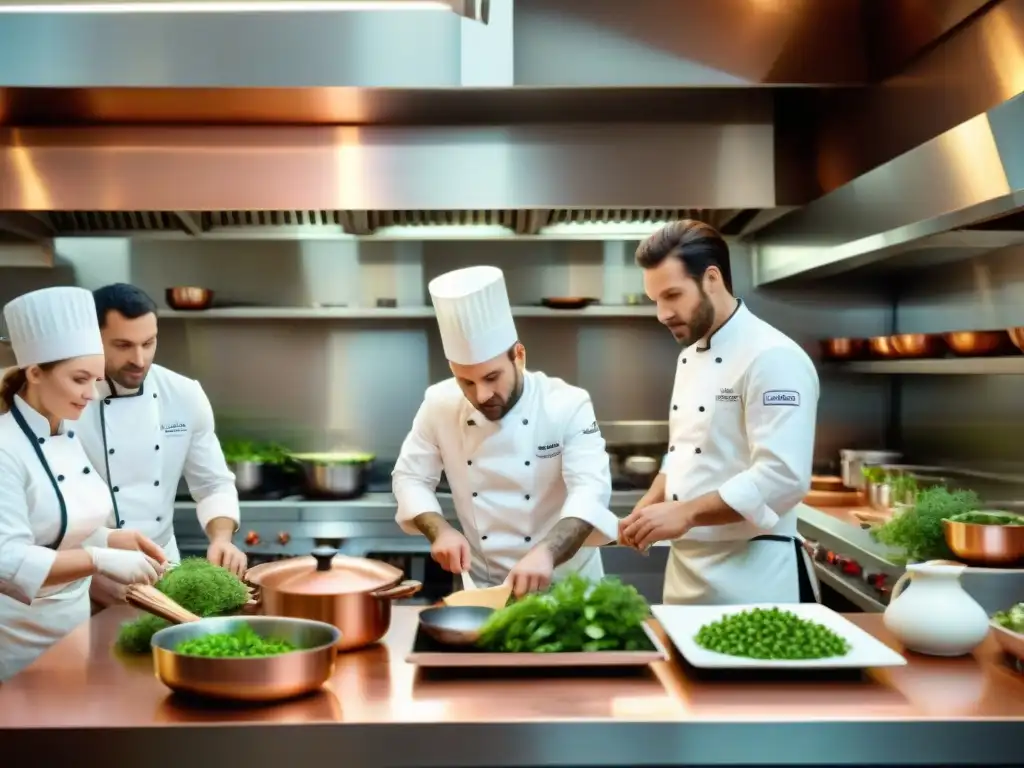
(243, 643)
(574, 615)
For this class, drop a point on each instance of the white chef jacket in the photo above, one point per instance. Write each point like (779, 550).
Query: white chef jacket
(511, 480)
(33, 617)
(742, 423)
(143, 441)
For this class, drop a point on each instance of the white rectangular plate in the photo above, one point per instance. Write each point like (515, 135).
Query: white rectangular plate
(681, 623)
(438, 656)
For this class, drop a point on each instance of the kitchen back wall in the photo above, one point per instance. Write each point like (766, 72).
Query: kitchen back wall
(319, 384)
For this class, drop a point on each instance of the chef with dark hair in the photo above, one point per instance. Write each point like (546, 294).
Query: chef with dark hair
(149, 427)
(741, 435)
(522, 452)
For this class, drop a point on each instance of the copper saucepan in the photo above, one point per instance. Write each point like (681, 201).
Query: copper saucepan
(254, 679)
(352, 593)
(1017, 337)
(917, 345)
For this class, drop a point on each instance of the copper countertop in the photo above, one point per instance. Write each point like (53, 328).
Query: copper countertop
(82, 683)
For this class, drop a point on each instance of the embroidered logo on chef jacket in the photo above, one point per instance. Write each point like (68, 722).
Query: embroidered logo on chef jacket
(727, 395)
(781, 397)
(175, 428)
(549, 451)
(593, 429)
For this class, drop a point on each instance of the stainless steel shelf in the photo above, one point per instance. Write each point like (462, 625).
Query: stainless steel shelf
(978, 366)
(397, 313)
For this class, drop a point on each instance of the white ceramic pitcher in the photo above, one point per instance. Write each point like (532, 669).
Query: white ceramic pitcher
(935, 616)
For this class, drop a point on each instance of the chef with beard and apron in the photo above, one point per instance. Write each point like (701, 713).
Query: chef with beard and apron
(53, 504)
(522, 452)
(149, 427)
(741, 436)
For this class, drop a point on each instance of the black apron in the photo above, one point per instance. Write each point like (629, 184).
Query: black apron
(36, 442)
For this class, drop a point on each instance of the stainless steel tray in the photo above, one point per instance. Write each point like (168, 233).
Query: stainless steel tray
(426, 652)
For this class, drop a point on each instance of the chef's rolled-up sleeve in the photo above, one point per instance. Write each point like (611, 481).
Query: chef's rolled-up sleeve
(588, 477)
(24, 565)
(780, 411)
(417, 472)
(210, 482)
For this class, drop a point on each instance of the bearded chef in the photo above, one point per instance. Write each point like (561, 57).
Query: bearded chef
(522, 452)
(741, 436)
(149, 427)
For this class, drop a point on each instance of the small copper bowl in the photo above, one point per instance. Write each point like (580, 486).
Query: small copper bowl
(995, 545)
(917, 345)
(976, 343)
(1017, 337)
(843, 349)
(188, 297)
(882, 347)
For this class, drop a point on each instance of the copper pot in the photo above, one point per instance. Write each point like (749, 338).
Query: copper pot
(1017, 337)
(976, 343)
(352, 593)
(843, 349)
(993, 545)
(917, 345)
(188, 297)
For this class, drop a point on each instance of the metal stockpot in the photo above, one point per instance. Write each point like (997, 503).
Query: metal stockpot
(854, 461)
(352, 593)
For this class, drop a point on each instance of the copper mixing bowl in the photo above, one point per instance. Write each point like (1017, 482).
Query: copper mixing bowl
(976, 343)
(994, 545)
(882, 346)
(917, 345)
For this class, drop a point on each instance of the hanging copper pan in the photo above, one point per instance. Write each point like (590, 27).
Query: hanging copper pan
(978, 343)
(352, 593)
(1017, 337)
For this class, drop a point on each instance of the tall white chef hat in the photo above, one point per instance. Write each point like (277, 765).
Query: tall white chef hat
(53, 324)
(473, 314)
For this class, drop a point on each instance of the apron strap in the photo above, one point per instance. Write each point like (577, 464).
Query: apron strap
(806, 588)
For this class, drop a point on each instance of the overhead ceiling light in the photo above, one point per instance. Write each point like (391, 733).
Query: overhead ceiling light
(443, 232)
(597, 230)
(221, 6)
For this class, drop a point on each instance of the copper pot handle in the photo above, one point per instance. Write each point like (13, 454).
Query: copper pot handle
(399, 591)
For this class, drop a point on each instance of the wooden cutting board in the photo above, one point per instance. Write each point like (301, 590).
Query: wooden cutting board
(827, 483)
(834, 499)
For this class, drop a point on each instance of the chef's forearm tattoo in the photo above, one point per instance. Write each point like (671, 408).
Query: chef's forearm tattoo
(566, 538)
(430, 524)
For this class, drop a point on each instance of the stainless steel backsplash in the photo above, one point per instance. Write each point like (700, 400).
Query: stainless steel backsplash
(317, 384)
(970, 420)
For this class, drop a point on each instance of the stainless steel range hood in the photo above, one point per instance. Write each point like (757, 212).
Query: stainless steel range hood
(956, 195)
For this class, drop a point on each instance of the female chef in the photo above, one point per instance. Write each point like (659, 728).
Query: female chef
(53, 504)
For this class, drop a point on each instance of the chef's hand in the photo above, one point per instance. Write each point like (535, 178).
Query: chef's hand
(653, 523)
(125, 538)
(533, 573)
(227, 555)
(125, 566)
(450, 550)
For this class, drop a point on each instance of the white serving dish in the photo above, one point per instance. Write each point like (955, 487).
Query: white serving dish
(681, 623)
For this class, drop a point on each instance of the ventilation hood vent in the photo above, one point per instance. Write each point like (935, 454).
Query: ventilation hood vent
(563, 224)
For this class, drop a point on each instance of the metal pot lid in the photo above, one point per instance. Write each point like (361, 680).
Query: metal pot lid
(325, 573)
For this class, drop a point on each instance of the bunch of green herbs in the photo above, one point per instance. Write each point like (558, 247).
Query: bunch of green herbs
(238, 451)
(573, 615)
(198, 586)
(917, 530)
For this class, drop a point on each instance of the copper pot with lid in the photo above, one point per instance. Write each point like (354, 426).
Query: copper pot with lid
(352, 593)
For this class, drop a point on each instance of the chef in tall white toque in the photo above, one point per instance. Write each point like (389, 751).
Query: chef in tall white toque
(741, 435)
(522, 452)
(53, 504)
(149, 427)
